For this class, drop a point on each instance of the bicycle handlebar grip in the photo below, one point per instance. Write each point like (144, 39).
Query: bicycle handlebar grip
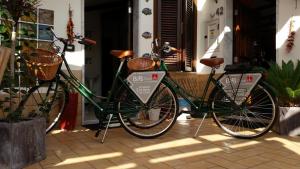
(87, 41)
(174, 49)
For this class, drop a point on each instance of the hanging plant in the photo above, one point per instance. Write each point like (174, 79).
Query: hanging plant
(70, 27)
(291, 38)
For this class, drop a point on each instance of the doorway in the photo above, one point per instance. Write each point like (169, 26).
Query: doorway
(254, 32)
(108, 22)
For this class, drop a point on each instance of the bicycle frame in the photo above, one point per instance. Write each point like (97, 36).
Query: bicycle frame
(87, 93)
(197, 103)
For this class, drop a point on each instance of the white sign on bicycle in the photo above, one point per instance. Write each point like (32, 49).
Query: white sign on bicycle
(239, 86)
(143, 84)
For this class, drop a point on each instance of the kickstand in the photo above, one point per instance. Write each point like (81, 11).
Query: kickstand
(196, 134)
(106, 128)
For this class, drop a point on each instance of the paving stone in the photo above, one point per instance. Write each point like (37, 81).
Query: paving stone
(213, 149)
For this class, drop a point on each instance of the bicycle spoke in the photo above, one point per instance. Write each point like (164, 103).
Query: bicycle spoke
(145, 123)
(252, 119)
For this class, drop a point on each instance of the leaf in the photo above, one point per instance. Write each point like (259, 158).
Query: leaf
(23, 31)
(3, 28)
(285, 80)
(15, 90)
(6, 90)
(19, 47)
(23, 91)
(6, 109)
(290, 92)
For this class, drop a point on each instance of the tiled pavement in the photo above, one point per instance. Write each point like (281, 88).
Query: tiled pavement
(177, 149)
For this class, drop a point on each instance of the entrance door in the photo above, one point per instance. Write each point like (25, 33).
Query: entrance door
(254, 31)
(108, 22)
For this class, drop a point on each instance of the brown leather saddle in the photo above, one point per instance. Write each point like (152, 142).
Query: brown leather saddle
(212, 62)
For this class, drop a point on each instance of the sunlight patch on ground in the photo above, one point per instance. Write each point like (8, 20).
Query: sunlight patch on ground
(216, 137)
(123, 166)
(168, 145)
(287, 144)
(248, 143)
(57, 131)
(89, 158)
(53, 132)
(185, 155)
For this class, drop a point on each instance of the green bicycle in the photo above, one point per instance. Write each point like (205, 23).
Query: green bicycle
(144, 97)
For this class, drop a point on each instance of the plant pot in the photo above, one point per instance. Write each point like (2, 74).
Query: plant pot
(22, 143)
(68, 119)
(154, 114)
(288, 122)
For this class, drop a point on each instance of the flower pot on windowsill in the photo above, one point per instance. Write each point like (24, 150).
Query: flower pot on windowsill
(22, 143)
(68, 119)
(288, 122)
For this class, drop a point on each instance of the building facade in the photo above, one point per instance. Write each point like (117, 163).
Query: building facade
(200, 28)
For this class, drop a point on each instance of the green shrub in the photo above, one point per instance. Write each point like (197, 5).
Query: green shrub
(285, 80)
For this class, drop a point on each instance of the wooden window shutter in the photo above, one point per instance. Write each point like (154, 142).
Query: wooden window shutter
(188, 34)
(168, 23)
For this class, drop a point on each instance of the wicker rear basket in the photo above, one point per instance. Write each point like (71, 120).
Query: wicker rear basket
(43, 64)
(141, 64)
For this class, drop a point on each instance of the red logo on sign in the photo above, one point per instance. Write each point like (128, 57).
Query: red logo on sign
(249, 78)
(154, 76)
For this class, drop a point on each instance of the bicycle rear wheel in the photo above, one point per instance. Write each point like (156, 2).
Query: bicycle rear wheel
(48, 99)
(148, 120)
(252, 119)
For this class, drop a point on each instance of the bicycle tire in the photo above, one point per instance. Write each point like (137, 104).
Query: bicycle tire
(38, 102)
(135, 117)
(254, 118)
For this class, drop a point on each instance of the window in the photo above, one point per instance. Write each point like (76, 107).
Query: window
(175, 23)
(37, 35)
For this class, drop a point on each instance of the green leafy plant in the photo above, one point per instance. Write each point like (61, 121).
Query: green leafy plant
(10, 13)
(285, 79)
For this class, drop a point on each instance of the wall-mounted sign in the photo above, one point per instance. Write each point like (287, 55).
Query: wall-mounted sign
(213, 35)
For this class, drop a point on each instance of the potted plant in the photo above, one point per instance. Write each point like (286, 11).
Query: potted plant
(285, 80)
(22, 141)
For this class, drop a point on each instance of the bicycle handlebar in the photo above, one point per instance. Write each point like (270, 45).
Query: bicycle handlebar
(166, 48)
(86, 41)
(81, 39)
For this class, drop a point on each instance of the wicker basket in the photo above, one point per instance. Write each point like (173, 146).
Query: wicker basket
(43, 64)
(141, 64)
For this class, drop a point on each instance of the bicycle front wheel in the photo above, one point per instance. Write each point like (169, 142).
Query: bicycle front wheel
(251, 119)
(148, 120)
(48, 99)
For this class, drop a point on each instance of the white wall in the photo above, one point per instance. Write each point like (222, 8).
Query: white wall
(285, 10)
(206, 13)
(142, 23)
(61, 16)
